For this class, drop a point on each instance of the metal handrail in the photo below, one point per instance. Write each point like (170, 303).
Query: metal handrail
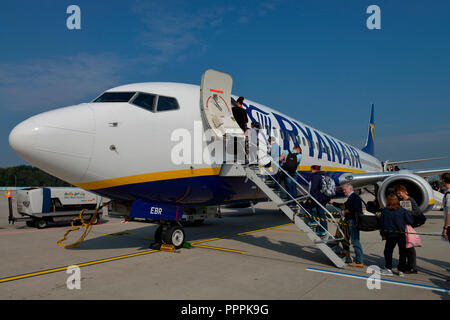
(304, 191)
(309, 195)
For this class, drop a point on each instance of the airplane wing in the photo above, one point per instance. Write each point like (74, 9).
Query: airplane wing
(394, 163)
(385, 182)
(431, 172)
(418, 188)
(359, 180)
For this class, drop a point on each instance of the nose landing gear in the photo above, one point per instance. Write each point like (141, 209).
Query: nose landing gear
(169, 233)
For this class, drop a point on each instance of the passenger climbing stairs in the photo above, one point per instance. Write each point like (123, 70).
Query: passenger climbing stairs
(290, 206)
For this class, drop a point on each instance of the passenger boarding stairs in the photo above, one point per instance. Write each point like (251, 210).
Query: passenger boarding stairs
(289, 205)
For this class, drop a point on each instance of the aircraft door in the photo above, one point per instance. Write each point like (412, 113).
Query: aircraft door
(215, 96)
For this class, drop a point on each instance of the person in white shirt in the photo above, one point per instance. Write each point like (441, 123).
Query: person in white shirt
(257, 145)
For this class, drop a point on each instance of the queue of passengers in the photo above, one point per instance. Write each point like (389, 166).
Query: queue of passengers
(393, 219)
(400, 211)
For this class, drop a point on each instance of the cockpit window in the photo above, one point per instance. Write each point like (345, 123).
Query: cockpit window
(146, 101)
(167, 103)
(115, 97)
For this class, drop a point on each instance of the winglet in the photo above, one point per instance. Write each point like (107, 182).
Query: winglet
(370, 143)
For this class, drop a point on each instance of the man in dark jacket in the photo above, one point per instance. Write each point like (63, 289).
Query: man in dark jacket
(353, 208)
(315, 191)
(291, 160)
(240, 114)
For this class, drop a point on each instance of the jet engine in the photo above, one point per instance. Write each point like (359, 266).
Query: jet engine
(418, 188)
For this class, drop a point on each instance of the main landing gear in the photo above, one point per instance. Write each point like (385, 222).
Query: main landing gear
(169, 233)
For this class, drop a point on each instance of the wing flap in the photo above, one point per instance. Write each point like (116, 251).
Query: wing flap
(394, 163)
(431, 172)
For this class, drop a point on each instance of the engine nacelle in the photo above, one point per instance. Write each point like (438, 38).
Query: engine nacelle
(418, 188)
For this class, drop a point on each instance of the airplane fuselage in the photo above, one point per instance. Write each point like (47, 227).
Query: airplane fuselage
(122, 151)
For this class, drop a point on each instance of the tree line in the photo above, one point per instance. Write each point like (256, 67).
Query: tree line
(28, 176)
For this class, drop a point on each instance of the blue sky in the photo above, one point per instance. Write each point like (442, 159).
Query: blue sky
(313, 60)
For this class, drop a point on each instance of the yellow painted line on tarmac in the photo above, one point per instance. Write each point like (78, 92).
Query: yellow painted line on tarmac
(194, 244)
(239, 234)
(40, 273)
(298, 231)
(217, 248)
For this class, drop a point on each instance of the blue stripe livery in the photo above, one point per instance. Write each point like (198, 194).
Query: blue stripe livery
(148, 210)
(319, 144)
(370, 144)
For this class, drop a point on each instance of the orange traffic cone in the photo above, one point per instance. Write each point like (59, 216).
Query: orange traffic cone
(8, 194)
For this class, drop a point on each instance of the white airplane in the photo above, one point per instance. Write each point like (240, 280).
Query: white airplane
(122, 146)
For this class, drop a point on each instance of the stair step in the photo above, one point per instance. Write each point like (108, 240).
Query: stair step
(290, 210)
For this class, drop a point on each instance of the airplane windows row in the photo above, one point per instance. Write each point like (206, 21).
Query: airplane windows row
(147, 101)
(115, 97)
(167, 103)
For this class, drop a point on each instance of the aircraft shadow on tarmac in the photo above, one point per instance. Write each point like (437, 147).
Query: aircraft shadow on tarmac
(310, 253)
(211, 228)
(141, 238)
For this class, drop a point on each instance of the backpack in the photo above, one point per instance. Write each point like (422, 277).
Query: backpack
(417, 215)
(444, 200)
(328, 187)
(367, 223)
(291, 163)
(419, 220)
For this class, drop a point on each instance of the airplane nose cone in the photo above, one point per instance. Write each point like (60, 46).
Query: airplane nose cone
(22, 138)
(59, 142)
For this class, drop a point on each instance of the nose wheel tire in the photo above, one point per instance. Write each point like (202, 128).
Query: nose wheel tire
(175, 236)
(166, 234)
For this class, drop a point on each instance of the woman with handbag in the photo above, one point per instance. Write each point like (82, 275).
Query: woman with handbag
(393, 221)
(418, 220)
